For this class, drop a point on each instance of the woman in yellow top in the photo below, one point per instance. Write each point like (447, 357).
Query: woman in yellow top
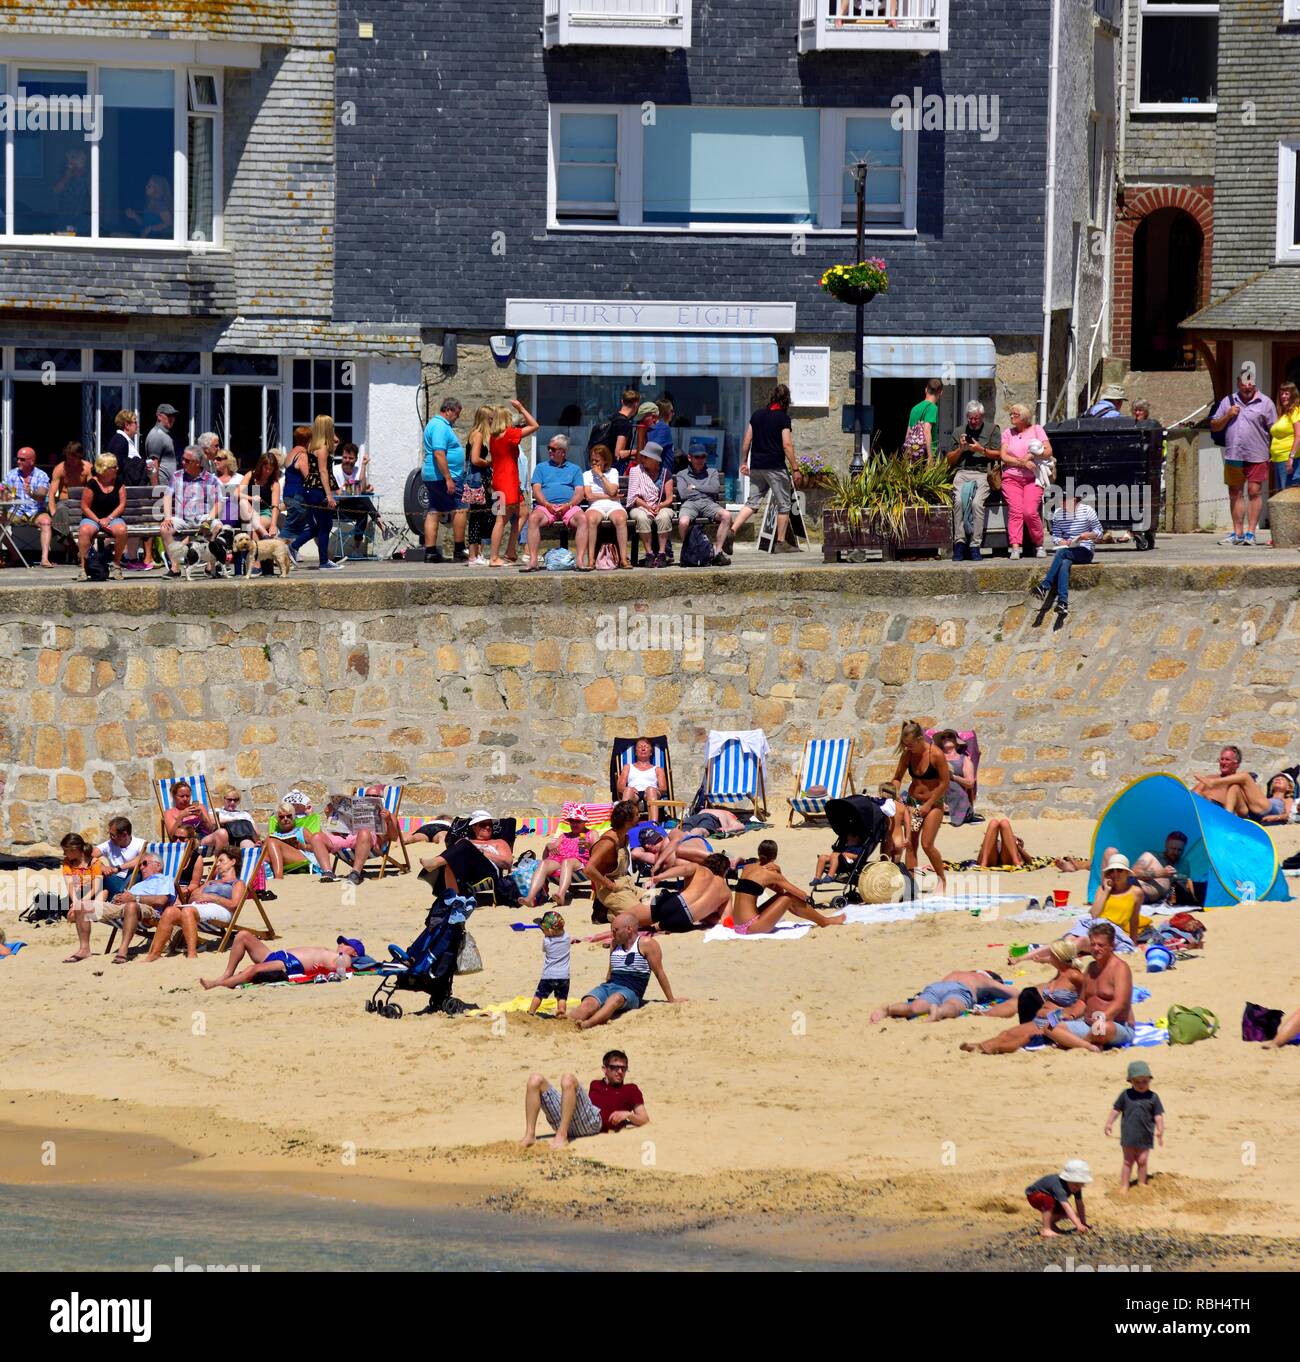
(1119, 898)
(1284, 436)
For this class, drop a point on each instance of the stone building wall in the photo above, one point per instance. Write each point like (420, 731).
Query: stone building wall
(507, 694)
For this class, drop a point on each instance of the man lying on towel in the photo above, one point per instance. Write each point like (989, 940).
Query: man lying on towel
(274, 967)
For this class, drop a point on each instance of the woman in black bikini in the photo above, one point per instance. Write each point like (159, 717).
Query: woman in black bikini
(928, 768)
(755, 880)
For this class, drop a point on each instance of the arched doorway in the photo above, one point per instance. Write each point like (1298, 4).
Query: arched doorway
(1167, 250)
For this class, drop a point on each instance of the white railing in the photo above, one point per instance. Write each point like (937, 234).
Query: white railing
(852, 14)
(619, 13)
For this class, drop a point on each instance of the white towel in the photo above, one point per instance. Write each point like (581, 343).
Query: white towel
(873, 914)
(783, 931)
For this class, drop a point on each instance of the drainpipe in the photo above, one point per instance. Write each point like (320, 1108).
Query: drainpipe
(1050, 215)
(1123, 96)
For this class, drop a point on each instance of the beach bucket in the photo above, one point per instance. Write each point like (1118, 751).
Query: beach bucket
(1062, 897)
(1017, 950)
(1159, 959)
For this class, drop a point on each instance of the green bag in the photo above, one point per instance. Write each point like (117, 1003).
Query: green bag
(1190, 1024)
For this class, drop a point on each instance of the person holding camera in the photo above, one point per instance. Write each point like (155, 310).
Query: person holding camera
(976, 444)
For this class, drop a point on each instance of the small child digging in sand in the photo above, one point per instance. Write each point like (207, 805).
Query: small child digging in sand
(1142, 1123)
(1051, 1197)
(555, 964)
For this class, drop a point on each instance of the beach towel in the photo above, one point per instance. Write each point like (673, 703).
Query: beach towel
(1146, 1035)
(521, 1003)
(1035, 863)
(783, 931)
(876, 914)
(14, 948)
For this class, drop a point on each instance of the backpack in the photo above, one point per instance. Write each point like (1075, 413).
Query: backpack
(600, 435)
(560, 560)
(1260, 1023)
(1220, 437)
(914, 441)
(1188, 925)
(96, 564)
(1190, 1024)
(696, 551)
(45, 908)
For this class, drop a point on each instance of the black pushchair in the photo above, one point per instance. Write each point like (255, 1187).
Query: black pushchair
(860, 826)
(429, 965)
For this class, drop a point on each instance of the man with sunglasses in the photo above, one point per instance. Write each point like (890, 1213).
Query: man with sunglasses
(558, 493)
(610, 1103)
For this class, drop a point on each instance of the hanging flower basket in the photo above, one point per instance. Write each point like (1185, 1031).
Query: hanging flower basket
(856, 283)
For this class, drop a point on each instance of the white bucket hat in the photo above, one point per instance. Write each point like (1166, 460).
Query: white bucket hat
(1076, 1170)
(1117, 862)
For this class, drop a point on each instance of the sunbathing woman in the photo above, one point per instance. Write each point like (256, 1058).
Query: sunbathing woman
(1119, 898)
(1001, 846)
(759, 878)
(1281, 800)
(704, 899)
(1038, 1008)
(952, 995)
(185, 818)
(215, 902)
(928, 767)
(562, 858)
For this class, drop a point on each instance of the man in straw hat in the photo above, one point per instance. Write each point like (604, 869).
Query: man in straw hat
(1109, 404)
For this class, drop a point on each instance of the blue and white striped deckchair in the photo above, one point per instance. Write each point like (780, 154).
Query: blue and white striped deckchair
(623, 753)
(163, 791)
(249, 861)
(388, 854)
(735, 778)
(827, 763)
(175, 857)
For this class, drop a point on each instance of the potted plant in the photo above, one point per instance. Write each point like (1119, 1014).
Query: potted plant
(813, 479)
(896, 505)
(856, 283)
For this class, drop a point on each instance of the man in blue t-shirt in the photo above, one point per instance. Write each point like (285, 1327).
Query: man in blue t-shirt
(662, 432)
(557, 499)
(444, 481)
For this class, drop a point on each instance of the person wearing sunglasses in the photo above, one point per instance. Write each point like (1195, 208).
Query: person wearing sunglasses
(610, 1103)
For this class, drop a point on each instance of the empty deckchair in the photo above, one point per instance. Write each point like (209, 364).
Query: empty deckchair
(827, 767)
(175, 857)
(623, 753)
(163, 793)
(734, 779)
(249, 862)
(387, 853)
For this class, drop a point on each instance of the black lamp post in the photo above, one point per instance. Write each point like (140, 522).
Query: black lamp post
(860, 194)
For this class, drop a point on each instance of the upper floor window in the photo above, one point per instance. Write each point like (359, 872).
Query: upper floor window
(121, 154)
(1291, 11)
(1178, 55)
(757, 169)
(1288, 202)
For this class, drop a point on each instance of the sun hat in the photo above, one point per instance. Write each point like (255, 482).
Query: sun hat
(1116, 862)
(353, 942)
(1076, 1170)
(653, 451)
(1112, 392)
(296, 796)
(1139, 1069)
(549, 922)
(574, 811)
(647, 409)
(1065, 950)
(479, 816)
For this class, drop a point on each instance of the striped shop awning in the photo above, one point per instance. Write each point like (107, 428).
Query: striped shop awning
(929, 357)
(685, 356)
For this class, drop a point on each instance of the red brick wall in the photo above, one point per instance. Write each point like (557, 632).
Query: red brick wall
(1198, 200)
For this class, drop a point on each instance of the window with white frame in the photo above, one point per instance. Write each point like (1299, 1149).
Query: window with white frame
(324, 387)
(1291, 11)
(1288, 202)
(760, 169)
(128, 154)
(1178, 55)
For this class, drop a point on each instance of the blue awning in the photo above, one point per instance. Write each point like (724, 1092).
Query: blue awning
(630, 356)
(946, 357)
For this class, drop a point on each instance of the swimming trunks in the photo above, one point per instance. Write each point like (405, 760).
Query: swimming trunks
(292, 965)
(938, 994)
(669, 911)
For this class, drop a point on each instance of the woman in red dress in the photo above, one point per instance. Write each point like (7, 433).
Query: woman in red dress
(507, 495)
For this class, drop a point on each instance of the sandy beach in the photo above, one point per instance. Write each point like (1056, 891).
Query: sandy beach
(769, 1092)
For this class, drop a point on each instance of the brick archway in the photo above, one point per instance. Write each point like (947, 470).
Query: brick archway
(1195, 200)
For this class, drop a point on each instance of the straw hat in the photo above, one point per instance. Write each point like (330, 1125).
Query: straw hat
(1066, 949)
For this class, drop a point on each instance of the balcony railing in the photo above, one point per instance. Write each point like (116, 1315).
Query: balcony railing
(867, 25)
(617, 23)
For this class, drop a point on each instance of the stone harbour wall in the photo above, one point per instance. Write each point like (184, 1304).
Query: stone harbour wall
(507, 693)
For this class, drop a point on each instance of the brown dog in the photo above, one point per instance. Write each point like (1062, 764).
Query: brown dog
(265, 551)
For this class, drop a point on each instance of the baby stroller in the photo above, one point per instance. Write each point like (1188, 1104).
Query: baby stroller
(429, 965)
(859, 825)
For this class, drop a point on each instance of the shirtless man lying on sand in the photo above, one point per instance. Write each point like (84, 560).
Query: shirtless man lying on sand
(954, 994)
(271, 967)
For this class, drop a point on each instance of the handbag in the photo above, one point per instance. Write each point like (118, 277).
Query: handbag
(469, 961)
(1190, 1024)
(606, 558)
(473, 492)
(1260, 1023)
(994, 476)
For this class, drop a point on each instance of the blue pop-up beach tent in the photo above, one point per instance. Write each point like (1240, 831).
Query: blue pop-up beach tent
(1234, 858)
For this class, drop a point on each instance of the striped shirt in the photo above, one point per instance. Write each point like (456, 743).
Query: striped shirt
(1082, 520)
(629, 967)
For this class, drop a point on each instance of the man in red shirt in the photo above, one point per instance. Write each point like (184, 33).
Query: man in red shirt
(611, 1103)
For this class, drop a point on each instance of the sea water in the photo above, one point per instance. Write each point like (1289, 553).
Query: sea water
(89, 1229)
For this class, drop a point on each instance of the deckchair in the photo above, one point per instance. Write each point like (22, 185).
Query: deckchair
(969, 740)
(392, 854)
(175, 857)
(827, 764)
(249, 861)
(163, 792)
(623, 753)
(735, 778)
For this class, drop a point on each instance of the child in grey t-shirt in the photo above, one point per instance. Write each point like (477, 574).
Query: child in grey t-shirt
(1142, 1122)
(555, 964)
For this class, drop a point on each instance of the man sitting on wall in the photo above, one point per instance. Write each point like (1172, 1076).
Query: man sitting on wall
(699, 488)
